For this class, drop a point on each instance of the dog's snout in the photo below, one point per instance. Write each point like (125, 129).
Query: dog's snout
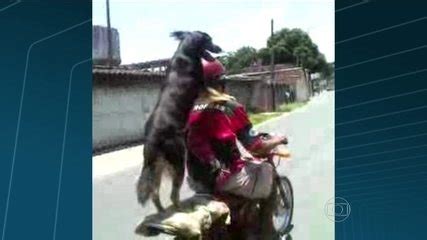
(216, 49)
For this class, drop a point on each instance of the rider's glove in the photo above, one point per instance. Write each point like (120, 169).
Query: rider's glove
(269, 142)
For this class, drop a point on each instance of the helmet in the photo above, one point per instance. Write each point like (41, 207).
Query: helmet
(212, 70)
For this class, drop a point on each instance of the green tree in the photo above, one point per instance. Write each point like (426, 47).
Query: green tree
(264, 55)
(281, 55)
(296, 46)
(289, 46)
(236, 61)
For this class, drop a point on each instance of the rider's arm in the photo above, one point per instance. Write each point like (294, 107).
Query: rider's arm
(250, 138)
(253, 141)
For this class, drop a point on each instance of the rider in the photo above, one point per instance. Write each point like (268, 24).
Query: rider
(217, 121)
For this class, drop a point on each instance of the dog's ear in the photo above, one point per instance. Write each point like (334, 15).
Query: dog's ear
(179, 35)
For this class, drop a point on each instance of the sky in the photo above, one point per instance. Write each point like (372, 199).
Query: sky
(144, 25)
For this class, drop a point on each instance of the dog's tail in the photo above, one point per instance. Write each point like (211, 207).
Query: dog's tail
(144, 186)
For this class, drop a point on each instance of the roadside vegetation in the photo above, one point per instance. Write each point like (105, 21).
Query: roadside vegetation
(288, 46)
(257, 118)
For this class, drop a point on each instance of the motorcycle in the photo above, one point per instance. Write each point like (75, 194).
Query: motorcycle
(245, 214)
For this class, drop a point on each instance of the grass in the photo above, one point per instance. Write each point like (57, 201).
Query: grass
(291, 106)
(257, 118)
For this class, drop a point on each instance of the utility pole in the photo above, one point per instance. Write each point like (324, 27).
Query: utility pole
(110, 36)
(273, 83)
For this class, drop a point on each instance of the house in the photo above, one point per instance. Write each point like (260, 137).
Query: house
(290, 84)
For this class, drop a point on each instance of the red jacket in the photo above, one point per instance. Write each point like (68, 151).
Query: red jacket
(214, 128)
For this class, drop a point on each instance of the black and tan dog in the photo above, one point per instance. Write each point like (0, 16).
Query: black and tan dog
(164, 130)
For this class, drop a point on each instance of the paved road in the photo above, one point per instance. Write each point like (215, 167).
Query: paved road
(311, 170)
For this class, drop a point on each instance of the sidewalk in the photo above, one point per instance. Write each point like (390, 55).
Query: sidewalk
(117, 161)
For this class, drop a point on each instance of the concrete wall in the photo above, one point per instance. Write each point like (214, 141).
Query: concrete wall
(121, 105)
(246, 92)
(297, 80)
(123, 99)
(100, 46)
(303, 88)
